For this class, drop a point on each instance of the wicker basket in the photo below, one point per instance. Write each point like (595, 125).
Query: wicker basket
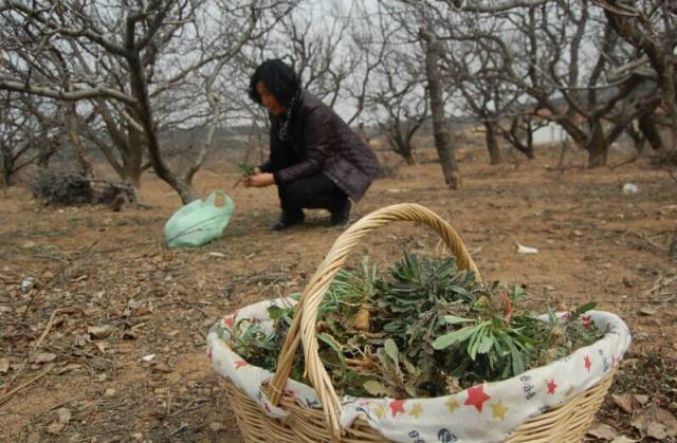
(566, 422)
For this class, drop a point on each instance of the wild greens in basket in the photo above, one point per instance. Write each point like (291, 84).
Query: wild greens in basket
(424, 329)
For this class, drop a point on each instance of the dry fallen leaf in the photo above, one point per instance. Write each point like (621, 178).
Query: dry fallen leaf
(80, 340)
(4, 365)
(69, 367)
(216, 426)
(656, 422)
(657, 430)
(63, 417)
(43, 357)
(603, 432)
(646, 310)
(626, 402)
(161, 367)
(102, 346)
(143, 311)
(641, 399)
(55, 427)
(99, 332)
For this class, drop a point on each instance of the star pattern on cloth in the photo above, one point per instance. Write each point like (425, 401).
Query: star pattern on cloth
(476, 397)
(241, 364)
(498, 410)
(397, 406)
(452, 404)
(552, 386)
(229, 321)
(416, 410)
(380, 411)
(587, 321)
(588, 362)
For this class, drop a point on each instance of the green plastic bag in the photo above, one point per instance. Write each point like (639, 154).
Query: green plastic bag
(199, 221)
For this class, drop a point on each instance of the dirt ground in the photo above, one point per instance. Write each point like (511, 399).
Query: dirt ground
(86, 293)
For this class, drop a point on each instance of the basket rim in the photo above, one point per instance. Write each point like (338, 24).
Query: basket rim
(619, 328)
(615, 342)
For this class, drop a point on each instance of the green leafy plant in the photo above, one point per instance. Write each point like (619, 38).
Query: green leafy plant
(424, 329)
(246, 169)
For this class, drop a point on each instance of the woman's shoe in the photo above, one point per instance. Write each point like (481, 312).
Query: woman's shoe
(341, 215)
(288, 219)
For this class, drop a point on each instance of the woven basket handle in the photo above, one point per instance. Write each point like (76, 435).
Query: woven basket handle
(304, 324)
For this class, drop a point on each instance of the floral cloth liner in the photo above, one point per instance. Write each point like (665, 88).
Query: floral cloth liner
(485, 413)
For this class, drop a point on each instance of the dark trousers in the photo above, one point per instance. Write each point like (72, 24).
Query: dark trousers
(314, 192)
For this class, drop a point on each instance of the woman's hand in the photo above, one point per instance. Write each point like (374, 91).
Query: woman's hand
(260, 180)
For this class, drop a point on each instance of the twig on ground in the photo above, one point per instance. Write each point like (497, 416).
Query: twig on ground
(632, 159)
(189, 406)
(11, 393)
(645, 238)
(39, 341)
(658, 284)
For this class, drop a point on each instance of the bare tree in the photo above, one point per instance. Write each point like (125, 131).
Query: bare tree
(445, 149)
(31, 132)
(396, 94)
(563, 70)
(486, 95)
(649, 27)
(132, 59)
(401, 97)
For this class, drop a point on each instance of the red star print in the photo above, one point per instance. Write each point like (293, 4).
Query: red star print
(477, 397)
(290, 393)
(265, 405)
(588, 363)
(397, 406)
(552, 386)
(240, 363)
(209, 353)
(613, 361)
(587, 321)
(229, 320)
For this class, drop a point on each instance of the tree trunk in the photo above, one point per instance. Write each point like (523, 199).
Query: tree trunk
(495, 156)
(47, 149)
(80, 150)
(400, 145)
(140, 89)
(6, 171)
(647, 125)
(411, 161)
(597, 147)
(132, 159)
(445, 150)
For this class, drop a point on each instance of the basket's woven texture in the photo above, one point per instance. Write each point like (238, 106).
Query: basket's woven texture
(567, 423)
(535, 415)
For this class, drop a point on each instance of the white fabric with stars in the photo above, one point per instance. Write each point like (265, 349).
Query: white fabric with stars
(484, 413)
